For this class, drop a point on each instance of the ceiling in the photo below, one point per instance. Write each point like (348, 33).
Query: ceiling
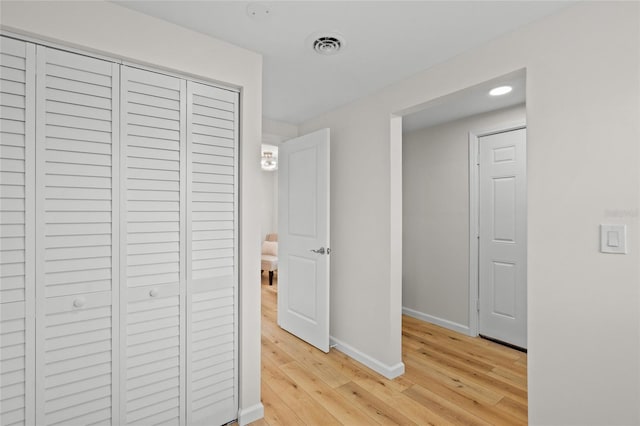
(386, 41)
(467, 102)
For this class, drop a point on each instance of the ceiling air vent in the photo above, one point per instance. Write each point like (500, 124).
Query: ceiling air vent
(327, 43)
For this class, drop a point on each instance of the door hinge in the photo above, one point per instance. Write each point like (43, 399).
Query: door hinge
(477, 305)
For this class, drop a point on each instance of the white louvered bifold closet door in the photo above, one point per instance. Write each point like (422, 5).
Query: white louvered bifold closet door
(154, 274)
(76, 243)
(17, 142)
(212, 235)
(118, 243)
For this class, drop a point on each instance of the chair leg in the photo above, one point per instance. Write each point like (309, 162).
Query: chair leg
(270, 277)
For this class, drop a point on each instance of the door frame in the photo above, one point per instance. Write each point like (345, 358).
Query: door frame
(474, 217)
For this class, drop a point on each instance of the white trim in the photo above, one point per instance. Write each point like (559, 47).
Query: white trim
(92, 53)
(474, 233)
(236, 255)
(250, 414)
(66, 47)
(395, 236)
(459, 328)
(178, 74)
(388, 371)
(474, 217)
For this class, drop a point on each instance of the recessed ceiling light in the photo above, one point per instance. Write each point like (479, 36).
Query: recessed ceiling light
(499, 91)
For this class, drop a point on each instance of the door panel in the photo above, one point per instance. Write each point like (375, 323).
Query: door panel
(154, 271)
(212, 236)
(503, 263)
(303, 226)
(17, 281)
(76, 153)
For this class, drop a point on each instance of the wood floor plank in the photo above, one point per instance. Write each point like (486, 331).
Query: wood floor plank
(460, 369)
(374, 407)
(472, 347)
(260, 422)
(342, 409)
(432, 332)
(307, 355)
(276, 411)
(428, 376)
(507, 374)
(307, 408)
(410, 408)
(275, 353)
(515, 408)
(443, 407)
(481, 409)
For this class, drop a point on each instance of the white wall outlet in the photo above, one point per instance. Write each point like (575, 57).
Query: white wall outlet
(613, 239)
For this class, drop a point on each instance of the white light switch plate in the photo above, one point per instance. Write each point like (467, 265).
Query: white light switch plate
(613, 239)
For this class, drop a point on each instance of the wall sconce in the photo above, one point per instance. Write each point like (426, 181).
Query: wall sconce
(268, 161)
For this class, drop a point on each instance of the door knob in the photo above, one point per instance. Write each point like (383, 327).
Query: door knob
(319, 251)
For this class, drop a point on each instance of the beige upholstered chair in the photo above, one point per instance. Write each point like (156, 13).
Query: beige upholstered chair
(270, 255)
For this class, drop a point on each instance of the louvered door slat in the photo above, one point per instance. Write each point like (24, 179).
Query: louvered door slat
(153, 155)
(77, 215)
(17, 281)
(212, 253)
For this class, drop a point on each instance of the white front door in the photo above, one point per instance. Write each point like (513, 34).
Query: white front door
(503, 237)
(303, 228)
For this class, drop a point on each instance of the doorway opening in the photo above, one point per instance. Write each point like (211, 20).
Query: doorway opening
(447, 259)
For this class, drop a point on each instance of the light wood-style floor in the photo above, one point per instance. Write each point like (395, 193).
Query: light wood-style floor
(450, 379)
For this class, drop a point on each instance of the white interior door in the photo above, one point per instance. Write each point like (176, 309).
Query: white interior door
(303, 227)
(118, 243)
(503, 237)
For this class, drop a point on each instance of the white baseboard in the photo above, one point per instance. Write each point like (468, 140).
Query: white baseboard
(437, 321)
(250, 414)
(388, 371)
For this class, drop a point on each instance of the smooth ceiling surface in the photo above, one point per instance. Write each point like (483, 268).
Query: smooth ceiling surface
(386, 41)
(467, 102)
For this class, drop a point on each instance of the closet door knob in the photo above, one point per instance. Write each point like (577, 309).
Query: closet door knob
(79, 302)
(153, 292)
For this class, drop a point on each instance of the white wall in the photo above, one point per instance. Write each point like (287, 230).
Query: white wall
(273, 133)
(435, 238)
(121, 33)
(583, 161)
(269, 203)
